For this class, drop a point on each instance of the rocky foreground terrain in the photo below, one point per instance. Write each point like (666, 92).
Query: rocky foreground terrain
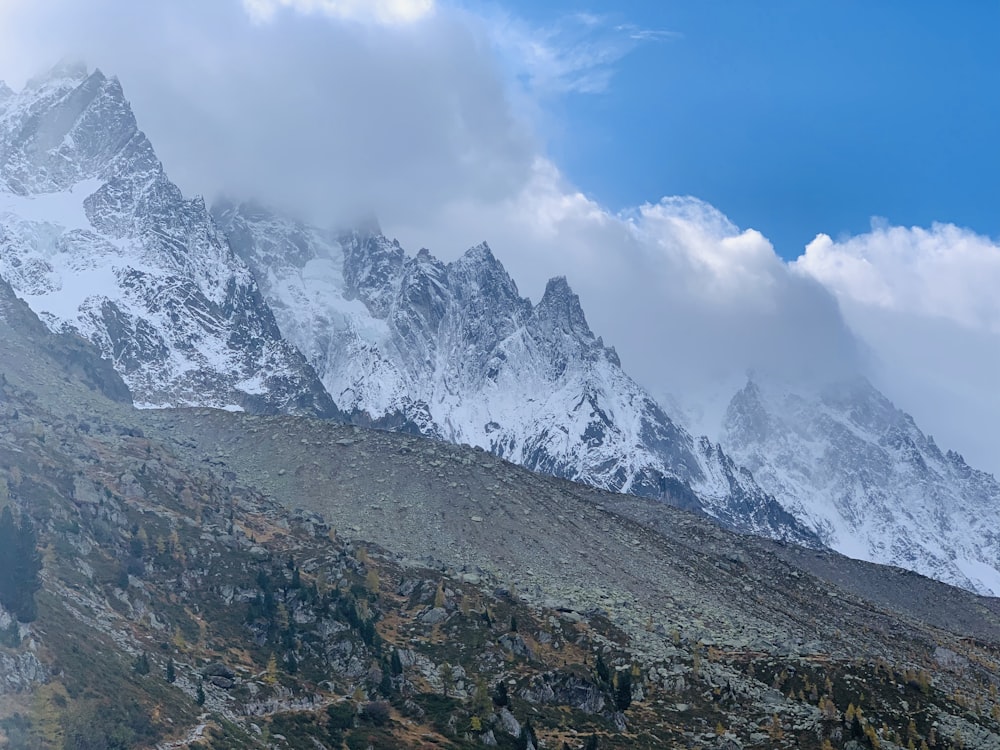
(215, 579)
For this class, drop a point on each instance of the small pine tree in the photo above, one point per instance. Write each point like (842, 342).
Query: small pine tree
(603, 673)
(199, 696)
(178, 640)
(395, 663)
(775, 730)
(385, 683)
(500, 696)
(623, 690)
(528, 738)
(482, 705)
(141, 665)
(20, 566)
(171, 671)
(447, 673)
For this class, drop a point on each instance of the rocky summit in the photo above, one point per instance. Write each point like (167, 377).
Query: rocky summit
(99, 241)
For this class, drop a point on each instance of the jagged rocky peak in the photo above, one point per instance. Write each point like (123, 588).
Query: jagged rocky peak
(422, 289)
(115, 253)
(66, 127)
(746, 417)
(478, 274)
(848, 463)
(481, 286)
(560, 306)
(255, 231)
(373, 265)
(67, 71)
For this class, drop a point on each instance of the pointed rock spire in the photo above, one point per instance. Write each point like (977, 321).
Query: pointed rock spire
(561, 306)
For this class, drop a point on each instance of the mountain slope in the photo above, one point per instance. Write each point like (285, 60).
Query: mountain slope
(205, 584)
(850, 465)
(451, 350)
(99, 241)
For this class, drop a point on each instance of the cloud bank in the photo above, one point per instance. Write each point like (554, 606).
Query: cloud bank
(925, 300)
(304, 107)
(379, 11)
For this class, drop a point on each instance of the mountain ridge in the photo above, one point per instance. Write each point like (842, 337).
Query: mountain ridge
(858, 470)
(452, 350)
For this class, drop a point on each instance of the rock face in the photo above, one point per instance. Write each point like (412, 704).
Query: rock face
(451, 350)
(850, 465)
(95, 237)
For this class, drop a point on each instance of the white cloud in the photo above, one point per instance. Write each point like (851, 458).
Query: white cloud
(944, 271)
(380, 11)
(333, 119)
(925, 301)
(687, 298)
(576, 54)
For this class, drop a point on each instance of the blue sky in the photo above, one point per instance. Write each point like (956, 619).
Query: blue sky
(793, 117)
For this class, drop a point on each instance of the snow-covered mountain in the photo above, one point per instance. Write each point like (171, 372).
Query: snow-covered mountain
(452, 350)
(857, 470)
(95, 237)
(240, 308)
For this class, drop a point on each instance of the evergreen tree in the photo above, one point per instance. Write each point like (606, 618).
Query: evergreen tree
(500, 696)
(603, 673)
(199, 697)
(171, 671)
(7, 557)
(141, 664)
(385, 684)
(482, 706)
(396, 664)
(623, 690)
(528, 738)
